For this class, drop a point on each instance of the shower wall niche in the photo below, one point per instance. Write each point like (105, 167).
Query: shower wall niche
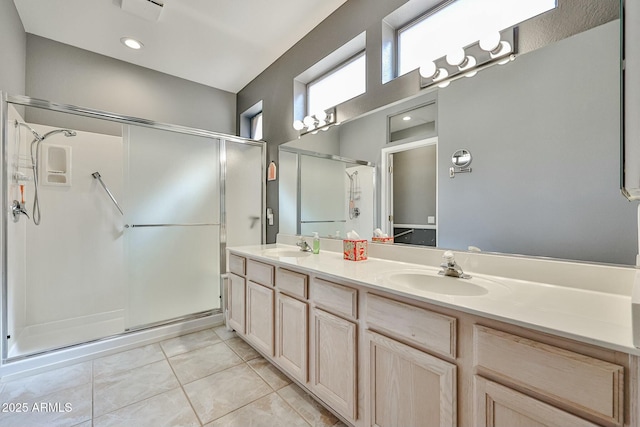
(88, 271)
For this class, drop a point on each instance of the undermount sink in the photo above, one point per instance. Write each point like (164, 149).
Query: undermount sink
(285, 253)
(432, 282)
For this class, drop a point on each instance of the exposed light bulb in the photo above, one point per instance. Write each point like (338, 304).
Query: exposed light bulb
(428, 70)
(469, 62)
(309, 121)
(445, 84)
(490, 42)
(457, 57)
(441, 74)
(321, 115)
(298, 125)
(503, 49)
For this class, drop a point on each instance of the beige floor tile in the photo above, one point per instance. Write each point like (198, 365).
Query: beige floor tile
(269, 411)
(185, 343)
(66, 407)
(168, 409)
(127, 387)
(84, 424)
(205, 361)
(127, 360)
(223, 392)
(244, 350)
(313, 412)
(224, 333)
(46, 383)
(269, 373)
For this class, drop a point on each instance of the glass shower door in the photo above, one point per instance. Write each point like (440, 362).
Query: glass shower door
(172, 225)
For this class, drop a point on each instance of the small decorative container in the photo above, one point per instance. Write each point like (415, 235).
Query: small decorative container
(382, 239)
(355, 250)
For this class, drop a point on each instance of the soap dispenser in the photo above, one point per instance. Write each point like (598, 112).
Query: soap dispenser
(316, 243)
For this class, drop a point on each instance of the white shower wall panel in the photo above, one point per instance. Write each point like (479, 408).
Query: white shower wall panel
(74, 258)
(16, 232)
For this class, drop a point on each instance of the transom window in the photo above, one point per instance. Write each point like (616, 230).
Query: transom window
(459, 24)
(338, 85)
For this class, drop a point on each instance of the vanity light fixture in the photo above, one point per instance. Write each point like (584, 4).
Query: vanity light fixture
(320, 121)
(131, 43)
(496, 48)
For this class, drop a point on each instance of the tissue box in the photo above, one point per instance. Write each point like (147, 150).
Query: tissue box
(355, 250)
(382, 239)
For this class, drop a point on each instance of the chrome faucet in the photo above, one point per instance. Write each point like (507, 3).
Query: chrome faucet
(17, 209)
(304, 246)
(451, 268)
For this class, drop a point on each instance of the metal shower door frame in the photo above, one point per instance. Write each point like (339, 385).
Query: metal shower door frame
(216, 137)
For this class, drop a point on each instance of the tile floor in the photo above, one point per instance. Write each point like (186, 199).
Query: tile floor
(209, 378)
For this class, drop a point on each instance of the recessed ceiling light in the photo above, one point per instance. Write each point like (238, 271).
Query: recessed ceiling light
(406, 118)
(131, 43)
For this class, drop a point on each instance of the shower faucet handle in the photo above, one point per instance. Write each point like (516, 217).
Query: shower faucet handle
(17, 209)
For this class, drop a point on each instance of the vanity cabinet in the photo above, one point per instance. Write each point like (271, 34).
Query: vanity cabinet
(236, 288)
(333, 348)
(499, 406)
(583, 385)
(382, 359)
(405, 385)
(408, 387)
(292, 323)
(260, 306)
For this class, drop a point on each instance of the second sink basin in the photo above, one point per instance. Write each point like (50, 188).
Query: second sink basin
(285, 253)
(420, 280)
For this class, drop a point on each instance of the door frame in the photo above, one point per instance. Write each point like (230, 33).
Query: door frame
(386, 180)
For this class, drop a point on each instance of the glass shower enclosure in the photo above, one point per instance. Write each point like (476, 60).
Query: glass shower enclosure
(134, 217)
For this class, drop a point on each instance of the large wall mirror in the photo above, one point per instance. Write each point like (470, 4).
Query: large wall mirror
(544, 133)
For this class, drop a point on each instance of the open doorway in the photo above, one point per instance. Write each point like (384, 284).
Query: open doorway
(410, 190)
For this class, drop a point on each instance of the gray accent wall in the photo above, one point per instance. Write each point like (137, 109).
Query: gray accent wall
(274, 87)
(66, 74)
(13, 45)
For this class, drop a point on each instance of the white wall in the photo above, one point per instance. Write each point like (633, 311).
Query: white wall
(74, 258)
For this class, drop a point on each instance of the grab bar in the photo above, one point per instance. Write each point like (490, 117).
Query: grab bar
(97, 176)
(167, 225)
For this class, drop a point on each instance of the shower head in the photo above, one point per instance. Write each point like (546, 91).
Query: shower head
(68, 133)
(36, 135)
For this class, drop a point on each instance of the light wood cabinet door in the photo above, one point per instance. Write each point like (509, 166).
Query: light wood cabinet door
(260, 317)
(500, 406)
(236, 302)
(333, 362)
(292, 333)
(408, 387)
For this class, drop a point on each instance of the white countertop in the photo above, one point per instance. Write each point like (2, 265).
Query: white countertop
(589, 316)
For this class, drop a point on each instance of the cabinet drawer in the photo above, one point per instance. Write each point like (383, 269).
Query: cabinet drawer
(260, 273)
(237, 264)
(429, 330)
(590, 385)
(292, 283)
(335, 298)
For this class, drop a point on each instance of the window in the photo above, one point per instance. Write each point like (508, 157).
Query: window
(256, 126)
(338, 85)
(336, 78)
(460, 24)
(251, 122)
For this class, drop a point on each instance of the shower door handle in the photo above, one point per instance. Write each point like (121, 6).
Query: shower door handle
(168, 225)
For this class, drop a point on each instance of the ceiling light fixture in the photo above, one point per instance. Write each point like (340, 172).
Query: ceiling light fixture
(406, 118)
(131, 43)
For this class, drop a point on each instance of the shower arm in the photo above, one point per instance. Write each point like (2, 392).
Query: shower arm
(97, 176)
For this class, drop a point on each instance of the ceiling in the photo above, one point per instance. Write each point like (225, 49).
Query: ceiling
(219, 43)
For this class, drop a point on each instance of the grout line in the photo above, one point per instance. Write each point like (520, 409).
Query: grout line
(291, 406)
(182, 386)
